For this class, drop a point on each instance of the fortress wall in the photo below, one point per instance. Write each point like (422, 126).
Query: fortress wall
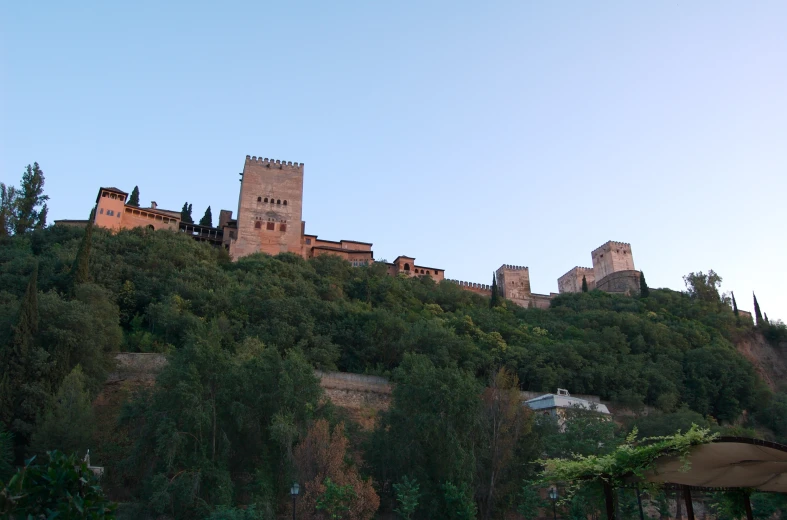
(478, 288)
(621, 282)
(352, 391)
(542, 301)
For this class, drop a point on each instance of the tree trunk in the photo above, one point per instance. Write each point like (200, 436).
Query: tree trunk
(213, 400)
(689, 504)
(747, 503)
(609, 499)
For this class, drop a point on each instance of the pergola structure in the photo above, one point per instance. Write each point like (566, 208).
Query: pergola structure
(724, 464)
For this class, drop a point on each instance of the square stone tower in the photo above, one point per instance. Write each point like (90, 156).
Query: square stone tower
(572, 280)
(611, 258)
(513, 282)
(270, 208)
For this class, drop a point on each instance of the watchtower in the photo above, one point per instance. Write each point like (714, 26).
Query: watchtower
(513, 282)
(270, 208)
(611, 258)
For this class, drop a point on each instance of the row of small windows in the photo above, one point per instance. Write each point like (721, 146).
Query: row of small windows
(359, 263)
(151, 216)
(272, 201)
(112, 195)
(270, 226)
(418, 270)
(109, 212)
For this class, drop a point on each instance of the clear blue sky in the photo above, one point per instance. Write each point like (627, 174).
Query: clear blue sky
(465, 135)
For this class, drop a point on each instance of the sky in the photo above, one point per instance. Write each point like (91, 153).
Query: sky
(465, 135)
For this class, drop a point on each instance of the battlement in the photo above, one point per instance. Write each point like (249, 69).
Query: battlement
(471, 285)
(512, 267)
(609, 244)
(578, 268)
(273, 163)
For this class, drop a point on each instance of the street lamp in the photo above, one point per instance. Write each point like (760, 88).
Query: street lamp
(553, 498)
(294, 490)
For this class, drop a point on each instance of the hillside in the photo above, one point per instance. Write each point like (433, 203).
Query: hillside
(236, 331)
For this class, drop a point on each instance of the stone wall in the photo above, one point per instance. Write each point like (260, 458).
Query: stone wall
(621, 282)
(355, 392)
(136, 366)
(478, 288)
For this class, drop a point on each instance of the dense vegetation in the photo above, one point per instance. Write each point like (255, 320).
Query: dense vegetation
(237, 414)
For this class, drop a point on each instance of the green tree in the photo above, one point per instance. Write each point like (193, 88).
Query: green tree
(185, 214)
(407, 495)
(584, 284)
(335, 500)
(207, 218)
(757, 314)
(644, 290)
(529, 501)
(459, 503)
(495, 300)
(30, 208)
(504, 421)
(133, 200)
(735, 306)
(6, 453)
(704, 287)
(80, 270)
(7, 205)
(24, 366)
(431, 429)
(62, 488)
(68, 423)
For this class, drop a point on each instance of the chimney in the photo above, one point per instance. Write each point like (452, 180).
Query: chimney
(153, 205)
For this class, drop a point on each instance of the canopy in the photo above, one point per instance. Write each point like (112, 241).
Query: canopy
(729, 462)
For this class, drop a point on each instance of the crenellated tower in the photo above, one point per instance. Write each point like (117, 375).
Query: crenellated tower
(270, 208)
(513, 282)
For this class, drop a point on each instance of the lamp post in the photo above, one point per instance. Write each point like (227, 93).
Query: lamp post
(553, 498)
(294, 490)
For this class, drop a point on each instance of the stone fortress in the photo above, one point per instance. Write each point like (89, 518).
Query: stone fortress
(269, 220)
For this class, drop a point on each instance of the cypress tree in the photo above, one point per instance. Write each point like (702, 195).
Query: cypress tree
(644, 290)
(185, 214)
(766, 319)
(584, 284)
(495, 300)
(207, 219)
(80, 271)
(734, 305)
(21, 384)
(133, 200)
(757, 313)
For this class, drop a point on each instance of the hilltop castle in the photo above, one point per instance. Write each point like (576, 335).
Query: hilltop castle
(269, 220)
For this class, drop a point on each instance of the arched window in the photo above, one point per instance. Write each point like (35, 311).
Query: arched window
(285, 202)
(259, 199)
(266, 199)
(150, 227)
(406, 267)
(257, 225)
(278, 201)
